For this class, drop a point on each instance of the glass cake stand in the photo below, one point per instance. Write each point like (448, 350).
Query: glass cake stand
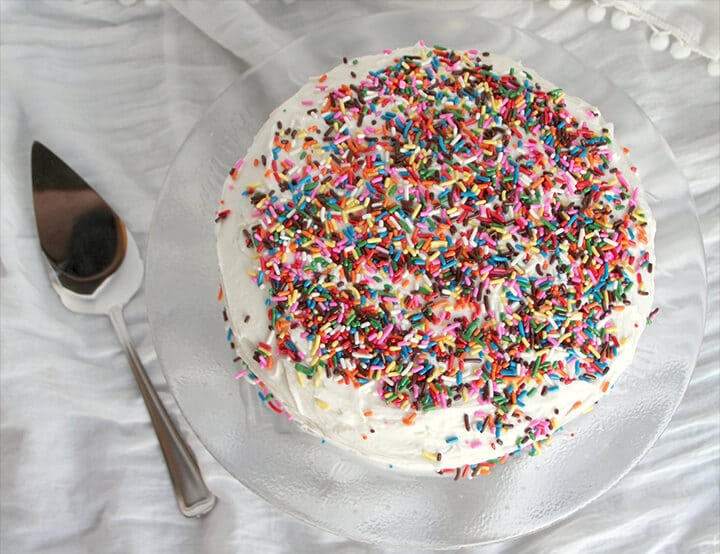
(337, 490)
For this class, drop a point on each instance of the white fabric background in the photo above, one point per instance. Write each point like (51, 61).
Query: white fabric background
(114, 90)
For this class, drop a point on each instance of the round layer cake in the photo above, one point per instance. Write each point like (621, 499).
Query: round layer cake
(435, 258)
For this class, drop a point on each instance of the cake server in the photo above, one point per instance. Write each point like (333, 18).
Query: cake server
(95, 268)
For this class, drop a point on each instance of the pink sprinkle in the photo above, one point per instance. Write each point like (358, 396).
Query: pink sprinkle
(241, 374)
(307, 102)
(387, 51)
(239, 163)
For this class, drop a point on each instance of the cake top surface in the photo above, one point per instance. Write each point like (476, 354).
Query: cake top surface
(439, 236)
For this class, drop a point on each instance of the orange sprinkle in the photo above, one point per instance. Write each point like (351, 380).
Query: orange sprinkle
(256, 162)
(220, 294)
(576, 405)
(323, 78)
(409, 420)
(605, 386)
(368, 413)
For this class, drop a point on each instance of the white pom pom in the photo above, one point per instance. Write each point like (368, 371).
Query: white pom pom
(620, 21)
(559, 4)
(595, 13)
(659, 41)
(680, 50)
(713, 68)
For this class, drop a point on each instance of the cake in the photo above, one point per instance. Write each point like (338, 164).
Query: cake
(435, 258)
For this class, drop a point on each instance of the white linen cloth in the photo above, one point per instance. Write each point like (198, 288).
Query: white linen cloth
(114, 90)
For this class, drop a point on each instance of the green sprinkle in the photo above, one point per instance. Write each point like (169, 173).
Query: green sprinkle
(309, 371)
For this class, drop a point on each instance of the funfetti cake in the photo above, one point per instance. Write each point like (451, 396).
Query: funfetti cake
(435, 258)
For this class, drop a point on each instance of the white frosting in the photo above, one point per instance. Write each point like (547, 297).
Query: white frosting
(357, 418)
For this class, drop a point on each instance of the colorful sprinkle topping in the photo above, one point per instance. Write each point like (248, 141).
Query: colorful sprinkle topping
(450, 234)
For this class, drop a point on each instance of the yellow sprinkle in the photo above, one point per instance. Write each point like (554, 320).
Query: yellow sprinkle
(429, 455)
(322, 404)
(301, 379)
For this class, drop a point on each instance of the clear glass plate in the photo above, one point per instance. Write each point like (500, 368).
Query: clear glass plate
(330, 487)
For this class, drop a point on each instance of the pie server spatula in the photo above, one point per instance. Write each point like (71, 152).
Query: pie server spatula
(95, 268)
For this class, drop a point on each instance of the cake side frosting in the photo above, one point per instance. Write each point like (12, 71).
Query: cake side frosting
(453, 257)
